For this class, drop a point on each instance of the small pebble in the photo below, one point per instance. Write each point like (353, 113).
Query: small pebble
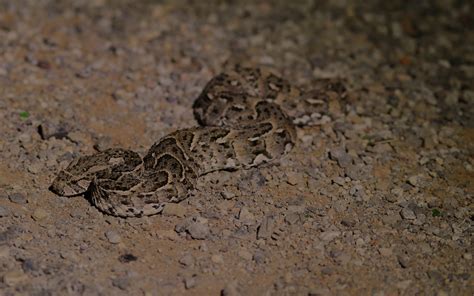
(265, 230)
(327, 270)
(197, 230)
(288, 277)
(292, 178)
(217, 258)
(385, 252)
(246, 216)
(329, 235)
(190, 282)
(424, 160)
(121, 282)
(166, 234)
(348, 221)
(413, 181)
(407, 214)
(18, 198)
(259, 257)
(246, 255)
(4, 212)
(341, 156)
(173, 209)
(187, 260)
(203, 247)
(403, 260)
(433, 201)
(227, 195)
(403, 285)
(69, 255)
(40, 214)
(357, 191)
(35, 168)
(296, 209)
(30, 265)
(113, 237)
(231, 289)
(356, 172)
(4, 251)
(339, 181)
(397, 191)
(292, 218)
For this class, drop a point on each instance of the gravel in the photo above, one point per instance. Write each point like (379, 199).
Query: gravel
(375, 196)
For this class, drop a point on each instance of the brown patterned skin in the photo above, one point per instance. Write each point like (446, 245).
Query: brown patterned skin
(242, 126)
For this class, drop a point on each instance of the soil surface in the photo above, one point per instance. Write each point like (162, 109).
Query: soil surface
(375, 200)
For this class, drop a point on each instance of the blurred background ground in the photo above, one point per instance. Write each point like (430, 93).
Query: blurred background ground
(376, 201)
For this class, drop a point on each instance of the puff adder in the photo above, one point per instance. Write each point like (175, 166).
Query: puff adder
(242, 125)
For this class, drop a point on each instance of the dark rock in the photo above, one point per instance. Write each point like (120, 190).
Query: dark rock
(18, 198)
(125, 258)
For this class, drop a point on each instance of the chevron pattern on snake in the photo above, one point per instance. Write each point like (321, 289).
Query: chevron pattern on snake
(242, 125)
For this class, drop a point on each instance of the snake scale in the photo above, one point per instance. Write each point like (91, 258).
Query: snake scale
(242, 125)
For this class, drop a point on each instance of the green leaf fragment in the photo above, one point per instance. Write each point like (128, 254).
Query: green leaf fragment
(435, 213)
(24, 114)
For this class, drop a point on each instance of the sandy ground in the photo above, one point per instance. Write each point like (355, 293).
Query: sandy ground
(375, 201)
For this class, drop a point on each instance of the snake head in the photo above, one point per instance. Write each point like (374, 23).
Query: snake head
(66, 184)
